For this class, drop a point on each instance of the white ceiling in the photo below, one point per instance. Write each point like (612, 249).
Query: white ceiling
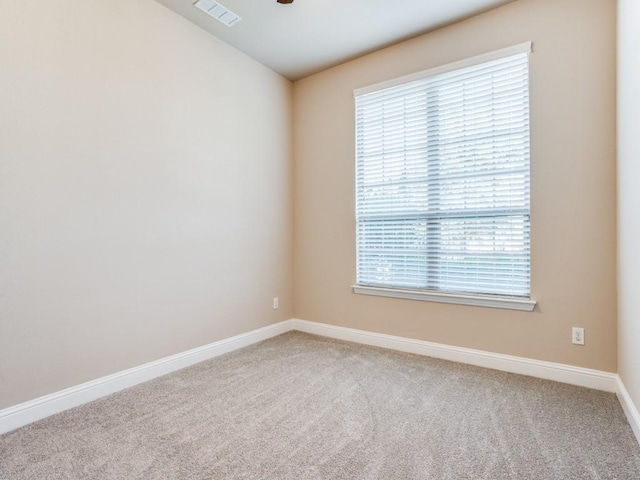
(308, 36)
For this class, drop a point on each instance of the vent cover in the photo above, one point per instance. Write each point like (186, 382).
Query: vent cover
(217, 11)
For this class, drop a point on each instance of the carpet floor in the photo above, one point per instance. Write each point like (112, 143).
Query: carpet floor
(304, 407)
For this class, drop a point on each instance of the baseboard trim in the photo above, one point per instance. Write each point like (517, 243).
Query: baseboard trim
(630, 409)
(582, 377)
(42, 407)
(39, 408)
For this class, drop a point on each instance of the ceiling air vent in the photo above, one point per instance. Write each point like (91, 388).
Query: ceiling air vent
(217, 11)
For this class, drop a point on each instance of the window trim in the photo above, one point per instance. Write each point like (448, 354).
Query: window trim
(526, 304)
(492, 301)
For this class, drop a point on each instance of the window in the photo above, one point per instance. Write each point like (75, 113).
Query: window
(442, 181)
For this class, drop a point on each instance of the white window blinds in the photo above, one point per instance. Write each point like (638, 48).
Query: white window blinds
(442, 181)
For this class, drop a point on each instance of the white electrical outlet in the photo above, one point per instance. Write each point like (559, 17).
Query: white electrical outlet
(276, 303)
(577, 336)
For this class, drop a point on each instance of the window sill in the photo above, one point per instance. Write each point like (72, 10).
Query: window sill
(510, 303)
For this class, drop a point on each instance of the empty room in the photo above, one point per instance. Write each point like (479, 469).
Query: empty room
(320, 239)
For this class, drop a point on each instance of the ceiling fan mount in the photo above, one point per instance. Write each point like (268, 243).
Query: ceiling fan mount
(285, 1)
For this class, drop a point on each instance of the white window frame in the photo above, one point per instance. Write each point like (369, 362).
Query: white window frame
(494, 301)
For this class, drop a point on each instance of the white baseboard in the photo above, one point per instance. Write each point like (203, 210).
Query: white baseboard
(583, 377)
(28, 412)
(630, 409)
(39, 408)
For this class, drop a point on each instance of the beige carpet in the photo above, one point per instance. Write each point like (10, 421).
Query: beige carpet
(305, 407)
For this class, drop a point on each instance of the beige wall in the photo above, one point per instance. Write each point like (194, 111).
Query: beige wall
(573, 187)
(629, 195)
(145, 191)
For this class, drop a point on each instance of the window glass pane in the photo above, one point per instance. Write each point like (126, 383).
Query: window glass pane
(488, 254)
(393, 253)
